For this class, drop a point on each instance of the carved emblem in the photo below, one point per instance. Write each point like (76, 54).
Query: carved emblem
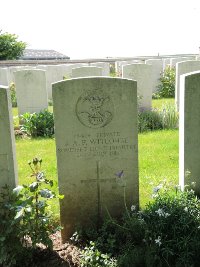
(94, 109)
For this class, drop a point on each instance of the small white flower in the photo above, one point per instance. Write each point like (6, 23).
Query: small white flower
(186, 209)
(133, 208)
(158, 241)
(160, 212)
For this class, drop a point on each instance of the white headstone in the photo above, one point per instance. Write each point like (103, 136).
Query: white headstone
(157, 69)
(189, 130)
(142, 73)
(31, 91)
(4, 77)
(86, 72)
(105, 67)
(96, 143)
(8, 166)
(183, 68)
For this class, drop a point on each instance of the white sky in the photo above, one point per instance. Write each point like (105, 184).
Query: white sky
(105, 28)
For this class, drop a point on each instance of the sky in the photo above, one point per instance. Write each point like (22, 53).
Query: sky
(84, 29)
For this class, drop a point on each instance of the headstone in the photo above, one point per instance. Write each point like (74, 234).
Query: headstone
(105, 67)
(157, 68)
(31, 91)
(8, 167)
(119, 65)
(189, 129)
(183, 68)
(4, 76)
(96, 144)
(86, 71)
(174, 61)
(142, 73)
(166, 63)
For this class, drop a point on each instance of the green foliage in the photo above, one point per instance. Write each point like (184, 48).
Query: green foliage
(92, 257)
(149, 121)
(38, 124)
(164, 118)
(171, 224)
(26, 219)
(165, 233)
(10, 47)
(13, 95)
(166, 88)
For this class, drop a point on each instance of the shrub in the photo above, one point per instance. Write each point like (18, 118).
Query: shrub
(169, 116)
(149, 120)
(166, 233)
(26, 219)
(166, 88)
(38, 124)
(92, 257)
(156, 119)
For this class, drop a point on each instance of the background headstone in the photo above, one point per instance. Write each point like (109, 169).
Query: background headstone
(31, 91)
(86, 71)
(8, 167)
(105, 67)
(183, 68)
(157, 68)
(97, 148)
(189, 130)
(142, 73)
(4, 77)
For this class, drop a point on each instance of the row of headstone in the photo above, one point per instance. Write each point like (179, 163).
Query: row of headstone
(96, 130)
(54, 73)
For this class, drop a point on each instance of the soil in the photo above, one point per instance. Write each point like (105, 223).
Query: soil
(62, 255)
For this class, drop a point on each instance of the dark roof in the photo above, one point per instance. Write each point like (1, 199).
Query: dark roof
(31, 54)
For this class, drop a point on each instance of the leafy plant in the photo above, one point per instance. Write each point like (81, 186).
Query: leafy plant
(92, 257)
(169, 116)
(10, 47)
(26, 219)
(164, 118)
(38, 124)
(149, 121)
(166, 88)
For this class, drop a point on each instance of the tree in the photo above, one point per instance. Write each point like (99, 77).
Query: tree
(10, 47)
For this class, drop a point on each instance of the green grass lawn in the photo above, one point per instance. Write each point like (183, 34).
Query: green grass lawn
(158, 160)
(158, 103)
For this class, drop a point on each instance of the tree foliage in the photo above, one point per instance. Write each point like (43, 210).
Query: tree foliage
(10, 47)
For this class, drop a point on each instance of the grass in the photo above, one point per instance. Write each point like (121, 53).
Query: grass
(158, 103)
(158, 159)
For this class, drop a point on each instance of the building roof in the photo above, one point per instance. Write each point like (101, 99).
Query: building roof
(38, 54)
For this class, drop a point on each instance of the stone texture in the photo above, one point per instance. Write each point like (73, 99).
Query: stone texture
(8, 168)
(119, 65)
(31, 91)
(105, 67)
(173, 61)
(86, 71)
(96, 143)
(183, 68)
(142, 73)
(4, 77)
(157, 68)
(189, 129)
